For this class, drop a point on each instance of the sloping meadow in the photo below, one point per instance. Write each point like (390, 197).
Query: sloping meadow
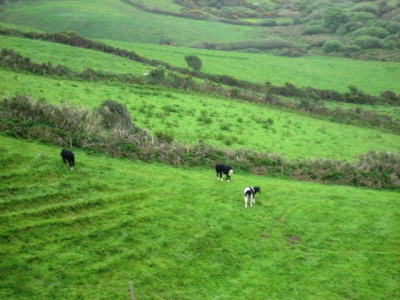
(180, 233)
(190, 117)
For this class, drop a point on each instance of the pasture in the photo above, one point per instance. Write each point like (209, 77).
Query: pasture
(77, 59)
(181, 234)
(319, 72)
(119, 21)
(177, 232)
(227, 123)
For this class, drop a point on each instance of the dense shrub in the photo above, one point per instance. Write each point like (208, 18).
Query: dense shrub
(366, 7)
(363, 17)
(368, 42)
(392, 27)
(352, 48)
(115, 115)
(313, 29)
(390, 45)
(390, 96)
(194, 62)
(333, 17)
(333, 46)
(268, 22)
(373, 31)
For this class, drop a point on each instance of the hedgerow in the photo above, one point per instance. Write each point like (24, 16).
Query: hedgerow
(240, 89)
(65, 125)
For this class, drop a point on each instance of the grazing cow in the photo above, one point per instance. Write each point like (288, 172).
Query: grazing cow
(68, 155)
(250, 192)
(227, 170)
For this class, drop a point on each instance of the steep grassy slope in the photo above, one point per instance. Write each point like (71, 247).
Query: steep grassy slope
(181, 234)
(190, 117)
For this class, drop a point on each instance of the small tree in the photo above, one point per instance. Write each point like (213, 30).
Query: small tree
(194, 62)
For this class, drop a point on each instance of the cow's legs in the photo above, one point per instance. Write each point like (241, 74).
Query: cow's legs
(245, 201)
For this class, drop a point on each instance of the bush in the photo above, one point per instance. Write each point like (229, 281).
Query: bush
(366, 8)
(333, 46)
(368, 42)
(352, 48)
(389, 95)
(373, 31)
(390, 45)
(313, 29)
(194, 62)
(115, 115)
(363, 17)
(268, 22)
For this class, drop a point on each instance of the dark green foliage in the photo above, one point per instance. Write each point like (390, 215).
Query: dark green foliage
(333, 46)
(115, 115)
(158, 74)
(194, 62)
(366, 7)
(313, 29)
(373, 31)
(268, 22)
(333, 17)
(368, 42)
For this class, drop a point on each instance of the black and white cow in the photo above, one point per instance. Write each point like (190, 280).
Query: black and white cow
(250, 192)
(68, 155)
(227, 170)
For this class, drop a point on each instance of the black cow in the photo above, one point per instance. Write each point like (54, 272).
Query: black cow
(227, 170)
(250, 192)
(68, 155)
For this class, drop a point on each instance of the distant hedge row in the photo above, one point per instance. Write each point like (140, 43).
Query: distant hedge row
(310, 100)
(61, 125)
(289, 90)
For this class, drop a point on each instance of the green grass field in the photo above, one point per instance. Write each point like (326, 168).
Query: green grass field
(119, 21)
(181, 234)
(226, 123)
(77, 59)
(320, 72)
(178, 233)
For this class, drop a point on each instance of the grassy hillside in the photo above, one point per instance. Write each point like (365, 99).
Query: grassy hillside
(190, 117)
(175, 231)
(116, 20)
(85, 234)
(74, 58)
(319, 72)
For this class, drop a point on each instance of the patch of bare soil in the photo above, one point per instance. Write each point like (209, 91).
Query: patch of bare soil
(293, 240)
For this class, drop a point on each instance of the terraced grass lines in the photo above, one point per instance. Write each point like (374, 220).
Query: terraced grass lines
(179, 233)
